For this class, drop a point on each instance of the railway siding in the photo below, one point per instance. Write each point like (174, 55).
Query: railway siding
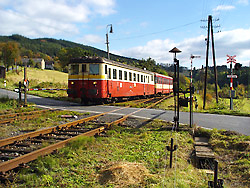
(63, 133)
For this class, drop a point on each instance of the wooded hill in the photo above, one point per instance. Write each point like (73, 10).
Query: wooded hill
(52, 47)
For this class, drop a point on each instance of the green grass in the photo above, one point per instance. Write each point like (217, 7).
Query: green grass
(233, 153)
(39, 79)
(241, 106)
(83, 161)
(44, 120)
(8, 105)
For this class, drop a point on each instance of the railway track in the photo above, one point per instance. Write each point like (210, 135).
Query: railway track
(8, 118)
(144, 101)
(19, 150)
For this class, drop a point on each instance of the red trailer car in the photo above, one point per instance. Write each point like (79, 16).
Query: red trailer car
(163, 84)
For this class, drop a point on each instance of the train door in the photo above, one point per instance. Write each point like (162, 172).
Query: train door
(144, 85)
(148, 89)
(109, 82)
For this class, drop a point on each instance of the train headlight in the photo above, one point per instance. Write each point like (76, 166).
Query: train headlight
(94, 83)
(72, 83)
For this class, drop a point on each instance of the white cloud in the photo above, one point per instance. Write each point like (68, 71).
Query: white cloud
(92, 39)
(34, 18)
(223, 7)
(243, 2)
(144, 24)
(234, 42)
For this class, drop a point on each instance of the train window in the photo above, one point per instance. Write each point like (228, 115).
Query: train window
(141, 78)
(134, 76)
(130, 76)
(84, 69)
(125, 75)
(106, 69)
(152, 78)
(138, 77)
(94, 69)
(148, 79)
(109, 73)
(114, 74)
(144, 79)
(120, 75)
(74, 69)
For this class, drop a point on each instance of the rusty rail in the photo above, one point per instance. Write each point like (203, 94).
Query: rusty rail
(64, 129)
(123, 118)
(8, 118)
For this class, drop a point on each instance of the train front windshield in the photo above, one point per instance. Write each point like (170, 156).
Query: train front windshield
(94, 69)
(74, 69)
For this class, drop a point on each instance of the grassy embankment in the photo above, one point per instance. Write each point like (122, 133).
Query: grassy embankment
(39, 79)
(241, 106)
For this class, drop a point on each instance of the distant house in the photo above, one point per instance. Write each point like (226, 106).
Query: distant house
(2, 72)
(49, 65)
(36, 60)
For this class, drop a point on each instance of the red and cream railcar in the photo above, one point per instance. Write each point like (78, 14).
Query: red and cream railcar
(99, 79)
(163, 84)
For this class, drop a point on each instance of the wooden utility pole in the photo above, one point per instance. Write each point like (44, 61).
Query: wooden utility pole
(210, 27)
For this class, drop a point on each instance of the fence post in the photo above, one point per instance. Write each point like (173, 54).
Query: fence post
(20, 94)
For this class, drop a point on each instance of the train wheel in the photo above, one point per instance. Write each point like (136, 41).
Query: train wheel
(85, 102)
(114, 100)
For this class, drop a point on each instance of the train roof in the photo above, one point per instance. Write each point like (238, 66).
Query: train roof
(162, 75)
(89, 59)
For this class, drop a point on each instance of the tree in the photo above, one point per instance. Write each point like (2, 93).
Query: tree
(10, 52)
(65, 54)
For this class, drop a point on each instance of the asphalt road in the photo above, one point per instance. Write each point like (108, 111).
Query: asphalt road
(233, 123)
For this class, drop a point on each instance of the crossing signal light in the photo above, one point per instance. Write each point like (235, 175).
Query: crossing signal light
(237, 66)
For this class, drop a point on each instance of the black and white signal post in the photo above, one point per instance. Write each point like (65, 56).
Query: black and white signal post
(231, 60)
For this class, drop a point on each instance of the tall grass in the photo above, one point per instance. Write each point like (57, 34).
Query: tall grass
(6, 103)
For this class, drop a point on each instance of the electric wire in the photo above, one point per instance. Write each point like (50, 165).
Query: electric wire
(157, 32)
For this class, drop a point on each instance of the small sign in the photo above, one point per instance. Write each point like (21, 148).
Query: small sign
(231, 76)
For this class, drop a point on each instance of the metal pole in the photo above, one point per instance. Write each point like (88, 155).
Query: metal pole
(20, 94)
(191, 97)
(231, 86)
(171, 148)
(178, 94)
(175, 100)
(171, 152)
(215, 173)
(25, 84)
(107, 42)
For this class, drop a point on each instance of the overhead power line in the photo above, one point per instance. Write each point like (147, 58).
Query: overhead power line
(157, 32)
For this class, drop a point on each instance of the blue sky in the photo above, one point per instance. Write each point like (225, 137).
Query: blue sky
(142, 28)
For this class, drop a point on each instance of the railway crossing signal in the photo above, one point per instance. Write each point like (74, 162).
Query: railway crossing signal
(231, 60)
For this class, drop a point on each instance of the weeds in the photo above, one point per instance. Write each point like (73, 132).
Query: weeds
(84, 160)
